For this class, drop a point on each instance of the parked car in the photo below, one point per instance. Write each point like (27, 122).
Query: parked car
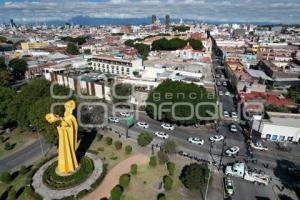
(218, 83)
(217, 75)
(113, 119)
(232, 151)
(225, 83)
(220, 93)
(228, 185)
(259, 146)
(162, 135)
(227, 93)
(143, 124)
(124, 114)
(216, 138)
(167, 126)
(225, 113)
(234, 115)
(195, 140)
(233, 128)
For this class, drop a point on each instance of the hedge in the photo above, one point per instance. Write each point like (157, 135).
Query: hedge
(5, 177)
(171, 168)
(124, 180)
(153, 161)
(108, 140)
(128, 149)
(116, 193)
(168, 182)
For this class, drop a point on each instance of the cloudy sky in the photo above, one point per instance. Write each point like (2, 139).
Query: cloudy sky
(277, 11)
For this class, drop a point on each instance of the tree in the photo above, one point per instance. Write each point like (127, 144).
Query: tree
(121, 92)
(128, 149)
(5, 177)
(168, 182)
(129, 43)
(168, 45)
(2, 63)
(116, 193)
(201, 106)
(108, 140)
(118, 144)
(144, 139)
(293, 93)
(12, 195)
(6, 96)
(133, 169)
(196, 44)
(72, 49)
(79, 40)
(153, 161)
(194, 176)
(87, 51)
(171, 168)
(19, 66)
(169, 146)
(5, 78)
(23, 170)
(124, 180)
(161, 196)
(2, 39)
(181, 28)
(162, 157)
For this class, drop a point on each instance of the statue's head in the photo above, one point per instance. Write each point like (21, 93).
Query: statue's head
(70, 106)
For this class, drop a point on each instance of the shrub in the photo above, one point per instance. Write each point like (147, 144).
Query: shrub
(153, 161)
(194, 176)
(168, 182)
(124, 180)
(5, 177)
(169, 146)
(23, 170)
(133, 169)
(118, 144)
(8, 146)
(128, 149)
(144, 139)
(108, 140)
(12, 195)
(116, 193)
(161, 196)
(2, 138)
(99, 137)
(171, 168)
(162, 157)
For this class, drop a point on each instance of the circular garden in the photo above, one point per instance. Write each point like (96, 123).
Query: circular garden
(55, 181)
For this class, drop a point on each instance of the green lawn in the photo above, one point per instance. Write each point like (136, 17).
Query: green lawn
(17, 139)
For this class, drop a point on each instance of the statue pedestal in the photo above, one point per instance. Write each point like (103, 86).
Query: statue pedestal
(48, 193)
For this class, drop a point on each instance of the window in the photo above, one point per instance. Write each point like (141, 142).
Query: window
(290, 139)
(268, 136)
(117, 67)
(127, 69)
(274, 137)
(122, 69)
(281, 138)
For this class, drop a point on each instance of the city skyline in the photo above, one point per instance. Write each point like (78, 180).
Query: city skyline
(225, 11)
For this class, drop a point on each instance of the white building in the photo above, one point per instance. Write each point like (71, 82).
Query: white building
(280, 127)
(117, 66)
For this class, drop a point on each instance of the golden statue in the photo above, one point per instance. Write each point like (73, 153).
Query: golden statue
(67, 138)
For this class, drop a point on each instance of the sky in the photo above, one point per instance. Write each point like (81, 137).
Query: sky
(268, 11)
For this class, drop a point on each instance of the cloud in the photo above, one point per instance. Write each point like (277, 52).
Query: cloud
(212, 10)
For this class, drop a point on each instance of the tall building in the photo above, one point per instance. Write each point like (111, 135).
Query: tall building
(12, 23)
(167, 22)
(154, 19)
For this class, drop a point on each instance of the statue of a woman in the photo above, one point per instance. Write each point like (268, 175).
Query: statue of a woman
(67, 138)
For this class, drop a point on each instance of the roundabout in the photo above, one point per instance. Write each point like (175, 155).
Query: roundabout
(47, 191)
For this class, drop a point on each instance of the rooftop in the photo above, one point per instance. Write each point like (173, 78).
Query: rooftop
(284, 119)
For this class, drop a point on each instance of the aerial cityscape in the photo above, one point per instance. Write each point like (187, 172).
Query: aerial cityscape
(150, 100)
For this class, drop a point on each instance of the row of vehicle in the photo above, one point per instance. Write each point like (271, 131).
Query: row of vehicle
(219, 83)
(221, 93)
(233, 115)
(187, 155)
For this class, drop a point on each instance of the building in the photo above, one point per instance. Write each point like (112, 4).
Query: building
(279, 127)
(168, 20)
(117, 66)
(153, 19)
(34, 45)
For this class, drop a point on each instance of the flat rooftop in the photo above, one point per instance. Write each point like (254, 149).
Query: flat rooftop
(284, 119)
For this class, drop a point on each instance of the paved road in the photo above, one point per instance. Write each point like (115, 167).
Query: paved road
(23, 157)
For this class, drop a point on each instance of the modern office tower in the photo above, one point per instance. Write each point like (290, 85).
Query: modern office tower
(154, 19)
(167, 22)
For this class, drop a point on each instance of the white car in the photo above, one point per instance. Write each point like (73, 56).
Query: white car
(113, 120)
(224, 83)
(234, 115)
(218, 83)
(228, 186)
(222, 76)
(220, 93)
(143, 124)
(259, 146)
(167, 126)
(233, 128)
(124, 114)
(227, 93)
(225, 113)
(195, 140)
(161, 135)
(216, 138)
(232, 151)
(217, 75)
